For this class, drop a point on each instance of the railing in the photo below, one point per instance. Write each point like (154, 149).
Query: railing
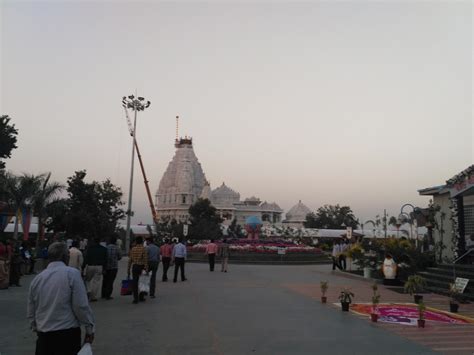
(455, 261)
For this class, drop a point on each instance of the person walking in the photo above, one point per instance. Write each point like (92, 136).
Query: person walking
(137, 262)
(224, 253)
(58, 306)
(76, 259)
(336, 251)
(211, 251)
(114, 254)
(165, 255)
(179, 258)
(95, 261)
(4, 267)
(15, 264)
(342, 256)
(153, 262)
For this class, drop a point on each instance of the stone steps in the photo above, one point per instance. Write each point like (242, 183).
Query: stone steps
(439, 278)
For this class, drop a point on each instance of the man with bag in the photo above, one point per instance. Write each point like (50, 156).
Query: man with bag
(137, 262)
(58, 306)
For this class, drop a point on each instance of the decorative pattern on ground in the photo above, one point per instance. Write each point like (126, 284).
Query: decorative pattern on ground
(407, 313)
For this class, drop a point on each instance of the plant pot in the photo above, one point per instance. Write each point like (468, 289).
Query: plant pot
(418, 298)
(453, 307)
(367, 272)
(345, 306)
(374, 317)
(323, 299)
(421, 323)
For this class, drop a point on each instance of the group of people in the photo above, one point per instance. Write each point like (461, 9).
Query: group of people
(222, 250)
(339, 254)
(16, 259)
(145, 257)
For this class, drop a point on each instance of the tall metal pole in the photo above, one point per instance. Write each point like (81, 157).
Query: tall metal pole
(130, 189)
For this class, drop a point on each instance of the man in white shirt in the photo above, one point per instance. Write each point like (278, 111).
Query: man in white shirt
(75, 256)
(58, 306)
(179, 257)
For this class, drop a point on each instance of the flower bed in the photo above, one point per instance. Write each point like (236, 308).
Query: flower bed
(261, 247)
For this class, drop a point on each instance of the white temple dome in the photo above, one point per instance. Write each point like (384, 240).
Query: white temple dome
(224, 196)
(297, 213)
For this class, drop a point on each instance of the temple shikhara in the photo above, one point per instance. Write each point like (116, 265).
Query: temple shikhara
(184, 182)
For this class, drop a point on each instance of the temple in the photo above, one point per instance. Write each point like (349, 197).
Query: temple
(184, 182)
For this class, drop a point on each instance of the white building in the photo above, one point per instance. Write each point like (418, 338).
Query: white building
(456, 215)
(184, 182)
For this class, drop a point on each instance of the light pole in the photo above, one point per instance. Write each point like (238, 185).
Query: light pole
(136, 104)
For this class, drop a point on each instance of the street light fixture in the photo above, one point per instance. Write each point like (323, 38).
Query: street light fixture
(136, 104)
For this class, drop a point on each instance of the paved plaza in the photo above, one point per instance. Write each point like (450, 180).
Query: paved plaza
(250, 310)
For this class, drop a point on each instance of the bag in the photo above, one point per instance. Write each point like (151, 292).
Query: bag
(85, 350)
(144, 284)
(126, 288)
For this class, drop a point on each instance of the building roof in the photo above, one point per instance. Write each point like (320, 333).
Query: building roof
(224, 196)
(435, 190)
(297, 213)
(461, 176)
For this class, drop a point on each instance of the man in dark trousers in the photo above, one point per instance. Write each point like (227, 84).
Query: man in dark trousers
(137, 262)
(165, 254)
(114, 254)
(153, 263)
(211, 251)
(58, 306)
(179, 258)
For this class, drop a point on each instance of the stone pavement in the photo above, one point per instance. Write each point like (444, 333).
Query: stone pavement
(250, 310)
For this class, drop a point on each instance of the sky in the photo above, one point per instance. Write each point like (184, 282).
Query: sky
(359, 103)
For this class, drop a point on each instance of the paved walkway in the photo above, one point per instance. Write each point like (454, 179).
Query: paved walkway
(250, 310)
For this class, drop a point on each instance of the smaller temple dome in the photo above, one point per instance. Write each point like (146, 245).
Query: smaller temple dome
(224, 196)
(297, 213)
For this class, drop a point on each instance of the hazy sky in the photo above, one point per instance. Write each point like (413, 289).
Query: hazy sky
(358, 103)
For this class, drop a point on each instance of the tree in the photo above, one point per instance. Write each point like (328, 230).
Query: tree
(8, 140)
(20, 192)
(205, 222)
(235, 230)
(43, 198)
(91, 209)
(332, 217)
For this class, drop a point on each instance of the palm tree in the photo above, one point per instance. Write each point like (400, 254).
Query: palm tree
(20, 192)
(45, 195)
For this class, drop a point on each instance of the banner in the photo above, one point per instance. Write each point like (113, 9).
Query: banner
(25, 218)
(5, 218)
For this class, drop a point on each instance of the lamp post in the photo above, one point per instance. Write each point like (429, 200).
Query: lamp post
(136, 104)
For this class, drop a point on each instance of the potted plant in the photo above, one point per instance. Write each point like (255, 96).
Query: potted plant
(346, 298)
(421, 314)
(324, 288)
(414, 285)
(375, 301)
(455, 295)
